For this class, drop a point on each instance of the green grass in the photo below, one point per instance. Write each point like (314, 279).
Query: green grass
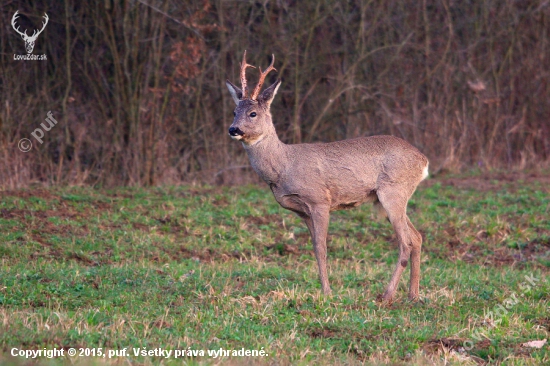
(209, 268)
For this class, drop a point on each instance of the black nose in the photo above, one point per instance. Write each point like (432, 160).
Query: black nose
(234, 131)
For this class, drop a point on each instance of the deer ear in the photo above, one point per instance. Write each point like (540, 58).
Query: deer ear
(235, 91)
(267, 95)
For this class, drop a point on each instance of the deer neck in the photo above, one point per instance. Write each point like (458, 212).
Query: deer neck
(268, 157)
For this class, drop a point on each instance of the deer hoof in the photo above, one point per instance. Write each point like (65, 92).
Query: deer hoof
(415, 298)
(385, 299)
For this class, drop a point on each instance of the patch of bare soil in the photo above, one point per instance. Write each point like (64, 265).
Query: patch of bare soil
(39, 239)
(473, 253)
(139, 226)
(39, 193)
(190, 192)
(285, 249)
(265, 220)
(62, 212)
(100, 205)
(39, 228)
(161, 324)
(205, 256)
(84, 259)
(282, 235)
(221, 201)
(536, 246)
(62, 229)
(36, 222)
(51, 253)
(330, 332)
(322, 333)
(490, 250)
(167, 220)
(443, 344)
(543, 322)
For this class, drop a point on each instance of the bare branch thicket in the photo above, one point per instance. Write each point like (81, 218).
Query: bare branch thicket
(138, 87)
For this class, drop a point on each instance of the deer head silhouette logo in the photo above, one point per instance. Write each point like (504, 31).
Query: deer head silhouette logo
(29, 40)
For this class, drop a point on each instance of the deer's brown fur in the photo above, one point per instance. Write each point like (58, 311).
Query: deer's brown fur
(314, 179)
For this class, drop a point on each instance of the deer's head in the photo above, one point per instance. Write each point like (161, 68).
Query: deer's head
(252, 120)
(29, 40)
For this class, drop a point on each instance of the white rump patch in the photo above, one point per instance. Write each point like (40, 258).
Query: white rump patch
(425, 171)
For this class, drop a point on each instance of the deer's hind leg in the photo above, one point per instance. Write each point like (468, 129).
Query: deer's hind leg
(394, 201)
(416, 241)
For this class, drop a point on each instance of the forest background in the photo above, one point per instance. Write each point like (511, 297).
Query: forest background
(138, 87)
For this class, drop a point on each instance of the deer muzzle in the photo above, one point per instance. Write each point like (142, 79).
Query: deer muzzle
(235, 133)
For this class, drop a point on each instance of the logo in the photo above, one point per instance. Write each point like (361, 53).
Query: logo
(25, 145)
(29, 40)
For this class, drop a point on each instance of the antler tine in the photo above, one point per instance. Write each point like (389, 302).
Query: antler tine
(47, 18)
(13, 19)
(244, 65)
(263, 74)
(37, 32)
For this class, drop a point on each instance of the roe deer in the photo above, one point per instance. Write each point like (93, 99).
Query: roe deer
(314, 179)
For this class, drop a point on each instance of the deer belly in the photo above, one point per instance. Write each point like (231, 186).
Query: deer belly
(345, 202)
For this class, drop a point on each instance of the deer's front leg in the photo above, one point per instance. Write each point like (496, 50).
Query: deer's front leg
(317, 223)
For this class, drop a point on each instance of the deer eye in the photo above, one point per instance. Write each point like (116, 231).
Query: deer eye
(253, 114)
(234, 114)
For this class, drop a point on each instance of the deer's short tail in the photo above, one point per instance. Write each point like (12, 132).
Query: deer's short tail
(425, 172)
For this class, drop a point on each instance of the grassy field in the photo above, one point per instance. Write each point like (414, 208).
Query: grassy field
(203, 268)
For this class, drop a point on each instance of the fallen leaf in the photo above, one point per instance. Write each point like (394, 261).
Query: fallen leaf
(535, 344)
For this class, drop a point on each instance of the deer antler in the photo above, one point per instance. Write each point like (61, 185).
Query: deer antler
(24, 34)
(244, 65)
(13, 19)
(262, 78)
(43, 26)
